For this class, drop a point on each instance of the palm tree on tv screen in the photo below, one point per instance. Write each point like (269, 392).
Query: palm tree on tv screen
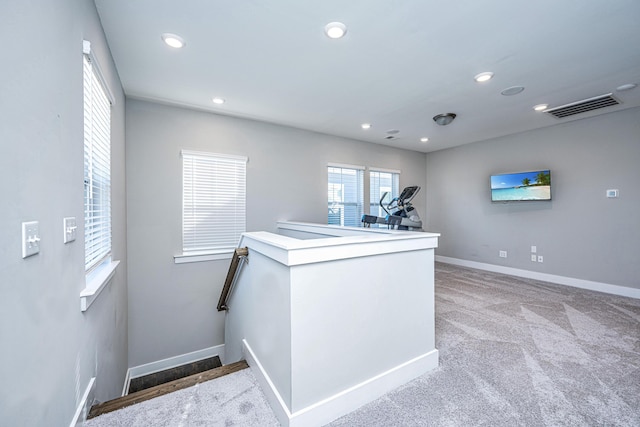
(543, 178)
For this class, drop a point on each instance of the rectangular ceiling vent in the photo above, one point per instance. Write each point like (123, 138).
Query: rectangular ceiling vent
(595, 103)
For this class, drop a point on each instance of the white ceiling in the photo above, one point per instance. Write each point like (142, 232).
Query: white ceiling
(400, 63)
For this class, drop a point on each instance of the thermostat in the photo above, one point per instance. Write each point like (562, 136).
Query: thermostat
(612, 194)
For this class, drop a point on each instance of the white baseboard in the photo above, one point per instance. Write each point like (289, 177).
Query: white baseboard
(560, 280)
(127, 382)
(84, 406)
(172, 362)
(329, 409)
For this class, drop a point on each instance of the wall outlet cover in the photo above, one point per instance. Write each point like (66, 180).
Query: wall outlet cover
(30, 238)
(70, 228)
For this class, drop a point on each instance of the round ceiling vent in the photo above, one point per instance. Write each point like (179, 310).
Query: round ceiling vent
(513, 90)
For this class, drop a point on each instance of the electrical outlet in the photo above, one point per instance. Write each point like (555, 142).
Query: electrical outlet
(613, 193)
(503, 254)
(534, 249)
(540, 258)
(533, 257)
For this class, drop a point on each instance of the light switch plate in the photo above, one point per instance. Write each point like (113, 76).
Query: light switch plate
(70, 228)
(30, 238)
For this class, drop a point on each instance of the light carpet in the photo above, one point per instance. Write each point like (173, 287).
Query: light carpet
(513, 352)
(232, 400)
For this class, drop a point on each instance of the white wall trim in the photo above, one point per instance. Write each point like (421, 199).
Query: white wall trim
(84, 406)
(172, 362)
(213, 155)
(346, 401)
(96, 282)
(200, 257)
(346, 166)
(127, 382)
(376, 169)
(560, 280)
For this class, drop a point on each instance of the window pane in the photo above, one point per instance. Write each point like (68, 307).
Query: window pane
(345, 196)
(214, 201)
(379, 183)
(97, 168)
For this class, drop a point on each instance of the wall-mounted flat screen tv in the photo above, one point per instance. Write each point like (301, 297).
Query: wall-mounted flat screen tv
(521, 186)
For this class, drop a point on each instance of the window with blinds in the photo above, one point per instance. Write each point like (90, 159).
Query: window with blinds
(213, 201)
(345, 195)
(97, 167)
(381, 181)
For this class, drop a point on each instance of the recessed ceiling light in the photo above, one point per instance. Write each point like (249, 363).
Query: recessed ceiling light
(424, 139)
(540, 107)
(483, 77)
(628, 86)
(173, 40)
(366, 126)
(218, 100)
(335, 30)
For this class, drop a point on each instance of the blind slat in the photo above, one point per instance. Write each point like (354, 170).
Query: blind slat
(97, 168)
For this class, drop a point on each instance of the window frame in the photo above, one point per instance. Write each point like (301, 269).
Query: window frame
(358, 203)
(97, 167)
(99, 269)
(199, 175)
(395, 189)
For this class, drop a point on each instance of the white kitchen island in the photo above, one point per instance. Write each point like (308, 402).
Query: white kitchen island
(330, 318)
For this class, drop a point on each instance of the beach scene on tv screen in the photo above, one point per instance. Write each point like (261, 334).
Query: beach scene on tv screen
(521, 186)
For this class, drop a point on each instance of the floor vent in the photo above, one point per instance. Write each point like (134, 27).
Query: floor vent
(583, 106)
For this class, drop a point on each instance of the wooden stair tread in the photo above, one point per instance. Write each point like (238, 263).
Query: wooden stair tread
(162, 389)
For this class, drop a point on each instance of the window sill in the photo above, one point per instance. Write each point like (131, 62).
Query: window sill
(188, 257)
(96, 282)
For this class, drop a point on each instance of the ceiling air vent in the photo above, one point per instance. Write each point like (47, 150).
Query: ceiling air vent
(583, 106)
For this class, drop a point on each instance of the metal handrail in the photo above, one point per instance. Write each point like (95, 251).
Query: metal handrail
(240, 254)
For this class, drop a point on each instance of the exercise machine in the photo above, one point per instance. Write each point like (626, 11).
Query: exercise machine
(400, 214)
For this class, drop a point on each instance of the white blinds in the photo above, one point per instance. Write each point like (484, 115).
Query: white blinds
(213, 202)
(345, 195)
(97, 168)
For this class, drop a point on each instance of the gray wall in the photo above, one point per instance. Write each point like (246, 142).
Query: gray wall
(172, 307)
(580, 233)
(50, 349)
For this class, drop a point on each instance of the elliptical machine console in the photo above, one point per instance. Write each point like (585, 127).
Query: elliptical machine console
(401, 215)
